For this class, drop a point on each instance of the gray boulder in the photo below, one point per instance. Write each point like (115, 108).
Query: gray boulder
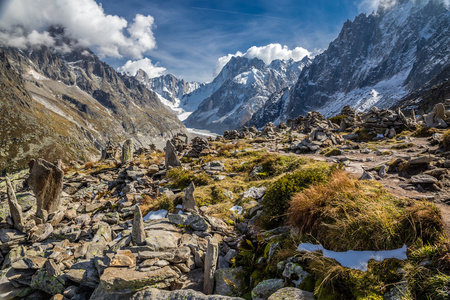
(46, 180)
(289, 293)
(171, 156)
(266, 288)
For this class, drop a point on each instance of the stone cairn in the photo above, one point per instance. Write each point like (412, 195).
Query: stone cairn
(180, 142)
(315, 132)
(348, 123)
(385, 122)
(112, 152)
(200, 147)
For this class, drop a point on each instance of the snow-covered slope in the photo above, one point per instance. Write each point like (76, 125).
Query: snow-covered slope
(241, 88)
(376, 59)
(170, 91)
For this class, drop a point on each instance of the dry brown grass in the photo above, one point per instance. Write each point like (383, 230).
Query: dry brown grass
(346, 214)
(89, 165)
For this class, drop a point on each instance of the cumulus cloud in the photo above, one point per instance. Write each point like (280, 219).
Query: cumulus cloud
(145, 64)
(23, 23)
(265, 53)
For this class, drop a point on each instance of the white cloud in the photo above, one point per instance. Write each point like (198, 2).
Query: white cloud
(24, 21)
(369, 6)
(266, 53)
(145, 64)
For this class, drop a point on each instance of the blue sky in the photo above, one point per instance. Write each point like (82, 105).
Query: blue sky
(192, 35)
(191, 39)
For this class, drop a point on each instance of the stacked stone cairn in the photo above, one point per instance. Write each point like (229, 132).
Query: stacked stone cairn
(315, 132)
(200, 147)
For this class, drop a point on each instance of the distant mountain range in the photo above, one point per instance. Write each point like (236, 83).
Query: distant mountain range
(64, 102)
(70, 104)
(242, 87)
(380, 60)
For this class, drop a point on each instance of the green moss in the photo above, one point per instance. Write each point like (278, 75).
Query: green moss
(424, 131)
(182, 178)
(331, 152)
(308, 284)
(403, 146)
(277, 197)
(365, 135)
(337, 119)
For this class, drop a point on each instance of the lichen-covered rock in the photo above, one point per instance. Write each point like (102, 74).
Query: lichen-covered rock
(290, 293)
(196, 222)
(42, 232)
(155, 294)
(226, 282)
(295, 273)
(50, 284)
(266, 288)
(127, 151)
(84, 272)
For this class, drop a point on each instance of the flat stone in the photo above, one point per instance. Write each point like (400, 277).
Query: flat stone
(123, 258)
(290, 293)
(84, 272)
(423, 178)
(29, 262)
(196, 222)
(42, 232)
(255, 193)
(160, 240)
(124, 280)
(421, 160)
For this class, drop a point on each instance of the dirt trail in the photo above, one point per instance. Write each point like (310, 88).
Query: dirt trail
(358, 162)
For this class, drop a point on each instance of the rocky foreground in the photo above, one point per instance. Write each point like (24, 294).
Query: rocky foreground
(198, 221)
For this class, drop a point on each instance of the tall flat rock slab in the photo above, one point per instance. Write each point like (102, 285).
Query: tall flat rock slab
(171, 156)
(127, 151)
(212, 254)
(188, 198)
(138, 231)
(46, 180)
(14, 207)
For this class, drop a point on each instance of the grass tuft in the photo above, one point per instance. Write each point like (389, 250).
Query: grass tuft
(347, 214)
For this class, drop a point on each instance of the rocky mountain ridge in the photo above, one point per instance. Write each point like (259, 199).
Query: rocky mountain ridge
(170, 91)
(376, 59)
(83, 104)
(240, 89)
